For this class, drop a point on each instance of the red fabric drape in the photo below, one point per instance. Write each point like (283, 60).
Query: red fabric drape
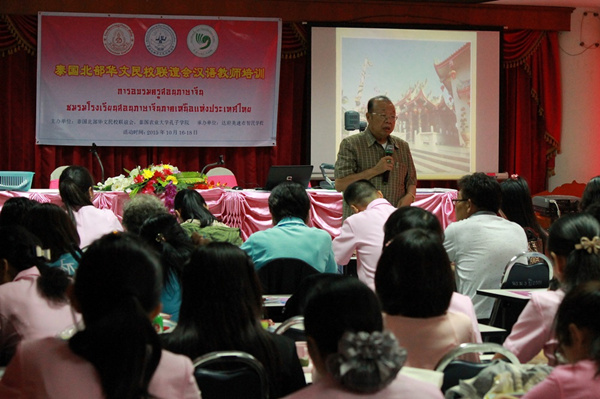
(532, 101)
(529, 138)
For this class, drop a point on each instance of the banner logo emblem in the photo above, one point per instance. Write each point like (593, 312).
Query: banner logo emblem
(160, 40)
(118, 39)
(203, 41)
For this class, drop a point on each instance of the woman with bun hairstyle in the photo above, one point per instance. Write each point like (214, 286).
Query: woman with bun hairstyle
(574, 244)
(76, 191)
(33, 302)
(353, 356)
(118, 354)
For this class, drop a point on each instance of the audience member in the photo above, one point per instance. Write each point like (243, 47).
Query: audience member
(76, 191)
(518, 207)
(139, 209)
(172, 244)
(352, 355)
(413, 217)
(578, 332)
(291, 237)
(191, 209)
(221, 310)
(13, 211)
(480, 243)
(415, 285)
(51, 224)
(591, 193)
(33, 303)
(118, 354)
(363, 231)
(573, 244)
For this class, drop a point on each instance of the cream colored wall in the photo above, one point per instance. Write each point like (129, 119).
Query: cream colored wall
(580, 145)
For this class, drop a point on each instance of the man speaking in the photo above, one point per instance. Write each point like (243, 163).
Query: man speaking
(377, 156)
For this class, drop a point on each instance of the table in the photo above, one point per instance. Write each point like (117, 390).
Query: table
(249, 209)
(508, 306)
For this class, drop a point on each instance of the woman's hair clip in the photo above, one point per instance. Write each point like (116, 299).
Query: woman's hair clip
(586, 244)
(514, 176)
(366, 362)
(42, 253)
(160, 238)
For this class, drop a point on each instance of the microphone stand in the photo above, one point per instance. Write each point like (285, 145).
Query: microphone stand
(210, 165)
(94, 151)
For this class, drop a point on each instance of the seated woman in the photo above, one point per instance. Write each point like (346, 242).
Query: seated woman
(14, 210)
(221, 310)
(578, 335)
(76, 191)
(174, 248)
(352, 355)
(33, 303)
(195, 217)
(118, 354)
(57, 232)
(517, 207)
(412, 217)
(414, 282)
(573, 244)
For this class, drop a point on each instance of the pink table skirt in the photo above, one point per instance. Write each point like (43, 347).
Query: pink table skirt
(249, 209)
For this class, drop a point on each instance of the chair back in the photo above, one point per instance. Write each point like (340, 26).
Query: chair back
(282, 276)
(222, 176)
(231, 375)
(297, 333)
(521, 272)
(455, 370)
(55, 176)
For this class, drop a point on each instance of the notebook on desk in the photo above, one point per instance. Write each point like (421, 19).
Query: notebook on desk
(281, 173)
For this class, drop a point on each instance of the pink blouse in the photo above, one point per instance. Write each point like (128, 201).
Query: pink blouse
(25, 314)
(428, 340)
(534, 330)
(48, 369)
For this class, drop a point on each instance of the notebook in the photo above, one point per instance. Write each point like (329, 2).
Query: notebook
(281, 173)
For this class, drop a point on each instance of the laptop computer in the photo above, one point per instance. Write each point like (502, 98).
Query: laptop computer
(281, 173)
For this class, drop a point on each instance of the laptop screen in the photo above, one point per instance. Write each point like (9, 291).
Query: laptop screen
(281, 173)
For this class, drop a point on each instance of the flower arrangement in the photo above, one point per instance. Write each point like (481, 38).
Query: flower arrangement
(155, 179)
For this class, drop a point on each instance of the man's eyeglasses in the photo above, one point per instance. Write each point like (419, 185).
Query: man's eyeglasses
(386, 117)
(455, 200)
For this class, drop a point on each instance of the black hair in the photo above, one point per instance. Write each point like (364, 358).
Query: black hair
(411, 217)
(55, 229)
(140, 208)
(581, 307)
(591, 193)
(360, 192)
(371, 102)
(517, 205)
(191, 205)
(14, 210)
(289, 199)
(221, 307)
(413, 276)
(566, 232)
(117, 286)
(167, 237)
(345, 304)
(19, 248)
(74, 185)
(483, 191)
(309, 286)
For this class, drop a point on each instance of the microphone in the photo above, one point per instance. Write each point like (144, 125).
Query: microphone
(389, 151)
(219, 162)
(94, 150)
